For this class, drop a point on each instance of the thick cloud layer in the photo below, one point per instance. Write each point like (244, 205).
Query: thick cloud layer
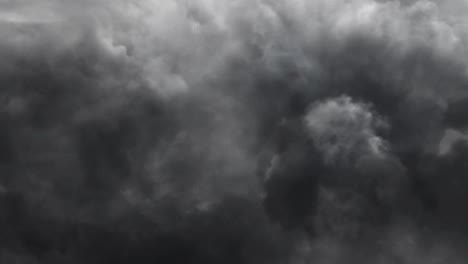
(266, 131)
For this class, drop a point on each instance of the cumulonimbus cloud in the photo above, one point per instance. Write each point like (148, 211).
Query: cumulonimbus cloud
(133, 131)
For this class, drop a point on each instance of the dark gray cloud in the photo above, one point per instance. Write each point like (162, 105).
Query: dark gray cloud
(267, 131)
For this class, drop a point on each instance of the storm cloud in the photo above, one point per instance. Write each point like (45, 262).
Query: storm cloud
(266, 131)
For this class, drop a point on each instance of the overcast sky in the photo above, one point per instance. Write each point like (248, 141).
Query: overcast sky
(233, 131)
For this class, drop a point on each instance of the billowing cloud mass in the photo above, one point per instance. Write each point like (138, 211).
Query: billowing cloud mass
(219, 131)
(343, 130)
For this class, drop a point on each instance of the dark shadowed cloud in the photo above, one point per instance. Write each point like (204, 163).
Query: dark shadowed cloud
(266, 131)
